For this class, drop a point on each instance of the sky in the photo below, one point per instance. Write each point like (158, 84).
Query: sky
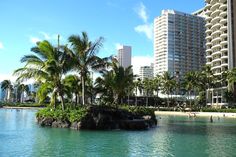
(120, 22)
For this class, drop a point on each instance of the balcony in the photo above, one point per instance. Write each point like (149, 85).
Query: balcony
(208, 25)
(224, 57)
(223, 14)
(224, 64)
(222, 1)
(216, 46)
(208, 37)
(208, 50)
(216, 39)
(216, 19)
(223, 35)
(224, 49)
(223, 28)
(208, 31)
(208, 44)
(224, 43)
(209, 56)
(208, 12)
(215, 13)
(208, 63)
(208, 18)
(223, 7)
(215, 6)
(216, 67)
(223, 21)
(216, 26)
(216, 53)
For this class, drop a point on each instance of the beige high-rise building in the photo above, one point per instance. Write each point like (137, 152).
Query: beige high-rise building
(179, 43)
(124, 56)
(220, 44)
(146, 72)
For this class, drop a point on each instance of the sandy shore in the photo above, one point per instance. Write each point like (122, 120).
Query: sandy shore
(197, 114)
(13, 107)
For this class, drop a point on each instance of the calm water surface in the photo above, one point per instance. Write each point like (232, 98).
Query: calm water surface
(174, 136)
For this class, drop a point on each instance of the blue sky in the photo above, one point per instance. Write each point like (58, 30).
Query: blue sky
(128, 22)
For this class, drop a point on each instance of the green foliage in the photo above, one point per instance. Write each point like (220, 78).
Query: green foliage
(138, 110)
(71, 115)
(218, 110)
(17, 104)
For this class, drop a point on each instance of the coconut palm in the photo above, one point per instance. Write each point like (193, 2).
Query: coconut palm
(73, 85)
(47, 65)
(7, 86)
(167, 84)
(116, 81)
(84, 57)
(231, 78)
(22, 89)
(190, 83)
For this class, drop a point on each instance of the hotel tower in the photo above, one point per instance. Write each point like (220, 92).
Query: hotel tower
(220, 44)
(179, 43)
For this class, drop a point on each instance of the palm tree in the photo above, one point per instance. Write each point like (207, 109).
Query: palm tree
(23, 89)
(84, 57)
(47, 65)
(168, 83)
(73, 85)
(190, 83)
(116, 81)
(7, 87)
(231, 78)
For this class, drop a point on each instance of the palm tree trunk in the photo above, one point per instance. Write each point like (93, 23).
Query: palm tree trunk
(189, 95)
(76, 99)
(8, 94)
(62, 102)
(83, 90)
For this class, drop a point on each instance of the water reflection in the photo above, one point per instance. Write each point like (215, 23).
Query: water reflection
(174, 136)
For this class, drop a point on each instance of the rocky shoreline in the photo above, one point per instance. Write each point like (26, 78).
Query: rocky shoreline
(98, 118)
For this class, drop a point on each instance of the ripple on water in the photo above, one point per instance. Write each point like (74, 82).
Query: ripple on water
(174, 136)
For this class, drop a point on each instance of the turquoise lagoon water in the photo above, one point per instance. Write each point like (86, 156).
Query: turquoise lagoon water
(174, 136)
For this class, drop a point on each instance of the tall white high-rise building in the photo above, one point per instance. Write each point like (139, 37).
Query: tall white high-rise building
(220, 44)
(146, 72)
(124, 56)
(179, 43)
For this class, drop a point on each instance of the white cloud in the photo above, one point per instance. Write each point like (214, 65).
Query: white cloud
(147, 29)
(13, 79)
(118, 46)
(1, 45)
(142, 12)
(34, 40)
(45, 35)
(138, 61)
(7, 77)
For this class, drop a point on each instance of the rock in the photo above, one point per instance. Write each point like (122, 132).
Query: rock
(104, 118)
(45, 121)
(60, 124)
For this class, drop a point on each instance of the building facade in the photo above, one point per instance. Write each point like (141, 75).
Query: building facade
(146, 72)
(124, 56)
(220, 44)
(179, 43)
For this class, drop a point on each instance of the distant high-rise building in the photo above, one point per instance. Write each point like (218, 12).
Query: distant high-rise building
(179, 43)
(124, 56)
(146, 72)
(220, 44)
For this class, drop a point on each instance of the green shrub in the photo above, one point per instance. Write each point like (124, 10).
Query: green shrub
(138, 110)
(218, 110)
(70, 115)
